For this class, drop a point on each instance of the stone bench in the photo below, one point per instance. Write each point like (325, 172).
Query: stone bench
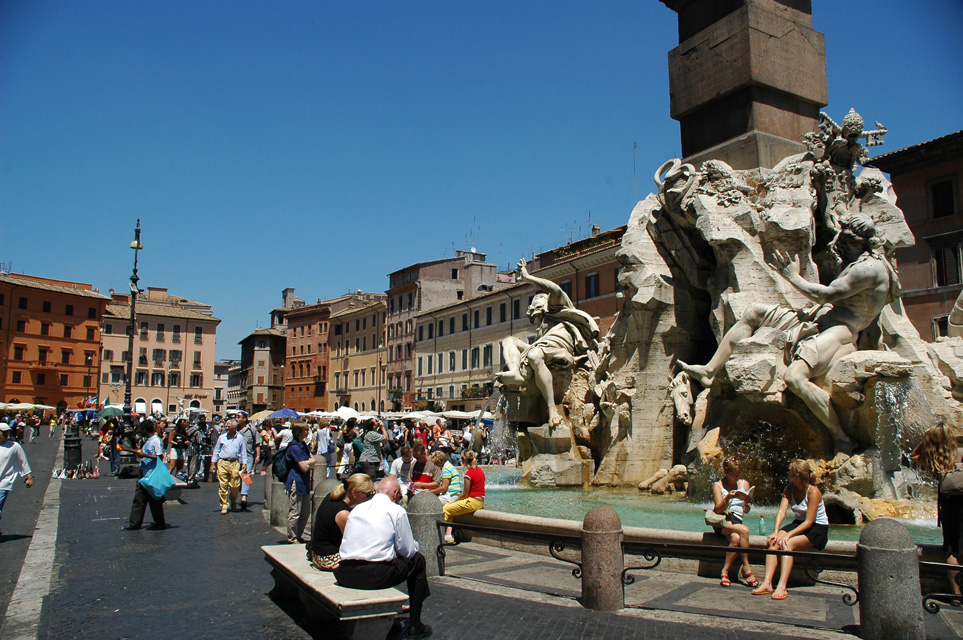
(366, 614)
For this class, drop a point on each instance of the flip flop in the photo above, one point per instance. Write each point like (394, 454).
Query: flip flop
(780, 596)
(761, 592)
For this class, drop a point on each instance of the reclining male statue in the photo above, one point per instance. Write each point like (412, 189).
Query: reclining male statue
(821, 335)
(565, 336)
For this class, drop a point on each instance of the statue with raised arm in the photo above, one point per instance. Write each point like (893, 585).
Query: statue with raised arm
(821, 335)
(564, 338)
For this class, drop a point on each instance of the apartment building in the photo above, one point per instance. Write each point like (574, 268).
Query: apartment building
(458, 347)
(261, 378)
(221, 383)
(422, 287)
(358, 354)
(173, 358)
(49, 340)
(926, 178)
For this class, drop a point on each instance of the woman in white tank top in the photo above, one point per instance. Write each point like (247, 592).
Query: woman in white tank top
(730, 496)
(809, 528)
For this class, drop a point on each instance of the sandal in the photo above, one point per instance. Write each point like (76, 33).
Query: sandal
(780, 596)
(761, 592)
(725, 582)
(750, 579)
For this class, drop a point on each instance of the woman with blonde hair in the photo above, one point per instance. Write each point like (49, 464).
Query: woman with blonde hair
(731, 496)
(330, 519)
(936, 455)
(472, 496)
(809, 528)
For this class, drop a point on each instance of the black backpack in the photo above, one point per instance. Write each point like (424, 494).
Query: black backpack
(279, 464)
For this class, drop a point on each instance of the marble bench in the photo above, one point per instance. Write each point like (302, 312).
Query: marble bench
(366, 614)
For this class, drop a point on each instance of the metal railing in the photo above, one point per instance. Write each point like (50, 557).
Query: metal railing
(654, 552)
(931, 601)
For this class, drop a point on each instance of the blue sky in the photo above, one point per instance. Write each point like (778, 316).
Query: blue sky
(322, 145)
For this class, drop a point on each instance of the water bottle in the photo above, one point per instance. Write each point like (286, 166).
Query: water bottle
(762, 525)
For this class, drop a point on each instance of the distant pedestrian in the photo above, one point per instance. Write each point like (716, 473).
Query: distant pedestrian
(251, 437)
(150, 456)
(228, 459)
(34, 429)
(13, 463)
(372, 454)
(325, 447)
(298, 483)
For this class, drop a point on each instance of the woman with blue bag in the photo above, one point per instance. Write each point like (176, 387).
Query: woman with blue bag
(148, 487)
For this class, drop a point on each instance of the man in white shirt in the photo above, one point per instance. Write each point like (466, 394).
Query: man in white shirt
(13, 462)
(378, 551)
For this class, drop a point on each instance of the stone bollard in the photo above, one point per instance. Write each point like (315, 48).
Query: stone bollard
(268, 480)
(424, 510)
(279, 504)
(321, 489)
(602, 561)
(890, 604)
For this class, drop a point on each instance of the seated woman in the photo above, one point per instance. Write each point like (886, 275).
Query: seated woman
(472, 495)
(809, 528)
(731, 497)
(450, 488)
(331, 517)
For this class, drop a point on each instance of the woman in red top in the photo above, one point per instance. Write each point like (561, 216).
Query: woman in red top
(472, 494)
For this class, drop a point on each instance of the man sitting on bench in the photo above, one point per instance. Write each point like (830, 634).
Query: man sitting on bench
(378, 551)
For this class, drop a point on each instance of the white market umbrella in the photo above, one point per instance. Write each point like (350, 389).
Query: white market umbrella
(345, 413)
(21, 406)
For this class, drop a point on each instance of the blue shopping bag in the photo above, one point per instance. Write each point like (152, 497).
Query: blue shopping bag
(158, 481)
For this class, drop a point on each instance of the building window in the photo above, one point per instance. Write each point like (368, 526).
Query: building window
(157, 379)
(477, 318)
(69, 310)
(173, 379)
(941, 326)
(942, 197)
(18, 353)
(451, 360)
(87, 381)
(43, 356)
(431, 330)
(421, 332)
(566, 286)
(176, 333)
(502, 312)
(64, 357)
(198, 335)
(516, 309)
(22, 303)
(454, 274)
(592, 285)
(197, 359)
(430, 362)
(46, 306)
(68, 330)
(946, 266)
(44, 329)
(488, 316)
(160, 355)
(441, 328)
(441, 364)
(160, 331)
(140, 378)
(17, 376)
(487, 356)
(41, 379)
(90, 333)
(464, 321)
(21, 326)
(92, 313)
(464, 359)
(196, 380)
(143, 330)
(63, 379)
(420, 372)
(451, 324)
(474, 357)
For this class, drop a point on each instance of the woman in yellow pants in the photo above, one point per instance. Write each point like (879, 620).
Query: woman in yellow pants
(472, 494)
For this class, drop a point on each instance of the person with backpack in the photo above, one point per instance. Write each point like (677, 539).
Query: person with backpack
(298, 483)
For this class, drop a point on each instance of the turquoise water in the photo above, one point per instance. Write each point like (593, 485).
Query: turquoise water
(640, 510)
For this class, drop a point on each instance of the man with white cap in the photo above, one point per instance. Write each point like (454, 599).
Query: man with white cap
(13, 462)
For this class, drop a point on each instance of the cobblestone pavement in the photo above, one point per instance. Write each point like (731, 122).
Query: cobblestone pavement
(21, 511)
(206, 578)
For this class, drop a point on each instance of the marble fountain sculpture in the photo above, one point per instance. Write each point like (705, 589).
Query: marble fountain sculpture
(761, 317)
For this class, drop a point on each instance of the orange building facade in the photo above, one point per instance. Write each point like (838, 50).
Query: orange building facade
(49, 340)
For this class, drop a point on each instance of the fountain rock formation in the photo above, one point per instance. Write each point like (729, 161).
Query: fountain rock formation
(782, 280)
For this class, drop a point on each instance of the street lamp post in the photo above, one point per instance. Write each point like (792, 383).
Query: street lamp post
(134, 290)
